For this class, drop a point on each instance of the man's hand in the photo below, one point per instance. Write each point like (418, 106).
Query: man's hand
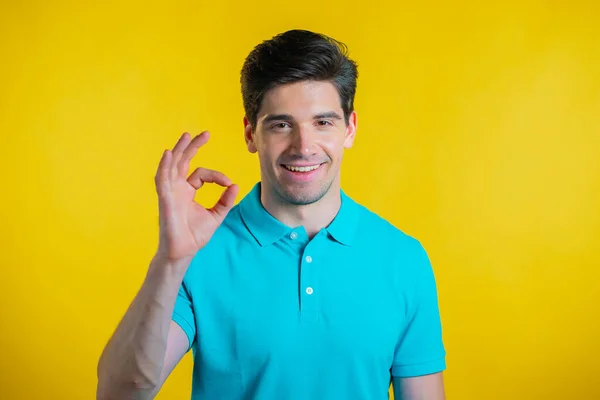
(186, 226)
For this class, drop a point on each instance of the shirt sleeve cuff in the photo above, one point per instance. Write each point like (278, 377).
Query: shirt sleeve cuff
(412, 370)
(187, 328)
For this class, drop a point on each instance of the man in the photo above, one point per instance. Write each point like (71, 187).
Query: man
(297, 292)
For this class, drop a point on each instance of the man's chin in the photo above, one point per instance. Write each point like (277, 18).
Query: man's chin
(302, 194)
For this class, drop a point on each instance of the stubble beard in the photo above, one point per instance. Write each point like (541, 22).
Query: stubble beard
(303, 194)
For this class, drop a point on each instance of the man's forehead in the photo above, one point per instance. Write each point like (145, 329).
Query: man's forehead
(301, 100)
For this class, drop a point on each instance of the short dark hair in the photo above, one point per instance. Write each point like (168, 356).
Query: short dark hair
(293, 56)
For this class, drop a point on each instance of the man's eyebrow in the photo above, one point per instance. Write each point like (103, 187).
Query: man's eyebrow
(289, 118)
(277, 117)
(328, 115)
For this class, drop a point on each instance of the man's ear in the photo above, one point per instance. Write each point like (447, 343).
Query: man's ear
(249, 136)
(351, 130)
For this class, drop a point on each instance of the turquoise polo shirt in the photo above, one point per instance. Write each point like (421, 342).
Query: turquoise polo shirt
(272, 314)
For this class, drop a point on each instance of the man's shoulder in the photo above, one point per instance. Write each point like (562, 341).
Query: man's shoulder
(377, 227)
(226, 242)
(233, 220)
(232, 231)
(392, 244)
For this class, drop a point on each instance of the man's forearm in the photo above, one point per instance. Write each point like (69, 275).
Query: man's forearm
(131, 363)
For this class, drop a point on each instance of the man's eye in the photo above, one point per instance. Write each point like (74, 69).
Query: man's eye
(280, 125)
(324, 123)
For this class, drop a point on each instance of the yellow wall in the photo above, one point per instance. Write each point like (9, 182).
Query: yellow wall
(479, 133)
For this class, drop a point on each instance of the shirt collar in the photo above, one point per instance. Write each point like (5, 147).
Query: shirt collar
(344, 225)
(267, 230)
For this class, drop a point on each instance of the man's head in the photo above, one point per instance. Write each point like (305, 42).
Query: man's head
(298, 90)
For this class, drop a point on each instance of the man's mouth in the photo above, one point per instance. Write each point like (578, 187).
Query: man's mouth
(304, 168)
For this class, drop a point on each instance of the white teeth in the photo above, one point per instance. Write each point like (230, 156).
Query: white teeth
(302, 169)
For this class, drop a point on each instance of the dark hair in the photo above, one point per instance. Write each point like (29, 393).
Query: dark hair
(293, 56)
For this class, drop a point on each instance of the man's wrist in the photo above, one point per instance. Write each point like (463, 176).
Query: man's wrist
(169, 269)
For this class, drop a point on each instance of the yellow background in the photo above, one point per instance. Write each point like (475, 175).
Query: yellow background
(479, 133)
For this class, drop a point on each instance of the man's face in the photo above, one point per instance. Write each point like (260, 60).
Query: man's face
(300, 137)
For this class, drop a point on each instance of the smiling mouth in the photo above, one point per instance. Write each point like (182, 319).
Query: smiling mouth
(306, 168)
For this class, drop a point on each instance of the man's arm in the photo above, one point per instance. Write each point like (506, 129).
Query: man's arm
(147, 344)
(426, 387)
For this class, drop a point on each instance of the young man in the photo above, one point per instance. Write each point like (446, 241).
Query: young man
(297, 292)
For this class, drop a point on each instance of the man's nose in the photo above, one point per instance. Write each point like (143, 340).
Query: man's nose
(303, 140)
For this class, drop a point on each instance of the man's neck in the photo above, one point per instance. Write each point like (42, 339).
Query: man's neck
(313, 217)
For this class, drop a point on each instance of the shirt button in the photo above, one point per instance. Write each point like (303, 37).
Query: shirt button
(308, 259)
(309, 290)
(293, 235)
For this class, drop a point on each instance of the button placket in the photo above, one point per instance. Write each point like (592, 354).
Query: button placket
(308, 284)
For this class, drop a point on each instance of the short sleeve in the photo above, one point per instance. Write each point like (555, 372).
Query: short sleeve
(420, 350)
(183, 314)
